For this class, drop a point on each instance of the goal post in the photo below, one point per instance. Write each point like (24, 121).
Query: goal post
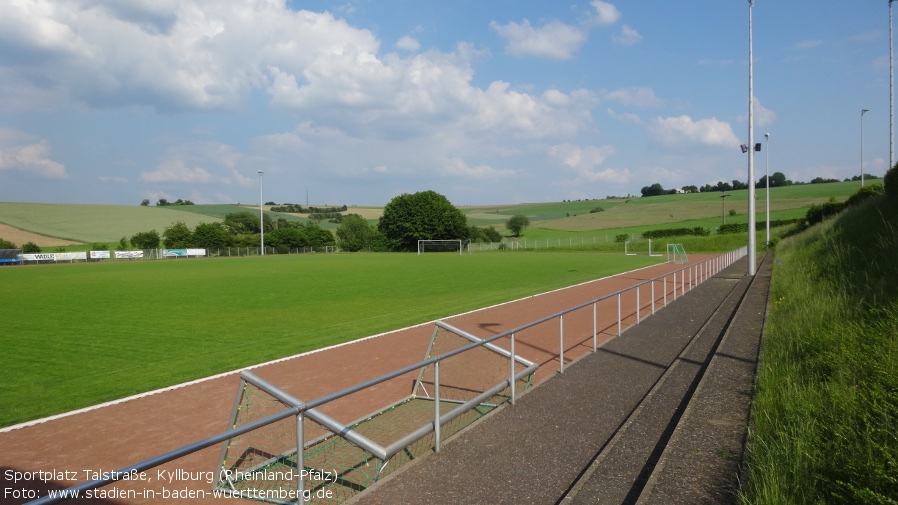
(676, 253)
(445, 245)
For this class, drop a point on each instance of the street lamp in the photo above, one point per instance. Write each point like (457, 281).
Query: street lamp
(767, 183)
(261, 220)
(891, 94)
(751, 153)
(724, 207)
(862, 145)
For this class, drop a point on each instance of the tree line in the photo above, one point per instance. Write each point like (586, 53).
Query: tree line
(778, 179)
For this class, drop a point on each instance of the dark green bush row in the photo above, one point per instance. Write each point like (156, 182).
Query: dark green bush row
(698, 231)
(743, 227)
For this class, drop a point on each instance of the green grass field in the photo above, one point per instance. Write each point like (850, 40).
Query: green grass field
(77, 335)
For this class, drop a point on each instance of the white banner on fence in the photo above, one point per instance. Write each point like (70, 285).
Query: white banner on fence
(196, 252)
(71, 256)
(39, 257)
(99, 255)
(128, 254)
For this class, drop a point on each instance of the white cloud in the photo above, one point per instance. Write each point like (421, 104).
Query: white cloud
(627, 36)
(176, 171)
(554, 40)
(683, 131)
(633, 96)
(584, 162)
(606, 13)
(625, 117)
(808, 44)
(408, 44)
(23, 153)
(458, 167)
(113, 179)
(762, 116)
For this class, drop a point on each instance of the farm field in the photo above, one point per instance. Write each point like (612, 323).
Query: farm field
(553, 220)
(77, 335)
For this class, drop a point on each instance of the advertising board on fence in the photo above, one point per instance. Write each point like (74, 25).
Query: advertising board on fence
(128, 254)
(182, 253)
(99, 255)
(60, 256)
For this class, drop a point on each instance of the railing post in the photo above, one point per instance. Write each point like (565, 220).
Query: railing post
(595, 329)
(675, 285)
(653, 297)
(436, 406)
(561, 343)
(637, 304)
(300, 453)
(618, 315)
(511, 359)
(664, 287)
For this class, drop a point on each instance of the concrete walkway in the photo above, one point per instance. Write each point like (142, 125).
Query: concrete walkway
(657, 415)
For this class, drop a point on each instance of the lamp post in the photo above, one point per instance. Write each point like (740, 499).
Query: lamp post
(767, 183)
(261, 220)
(723, 203)
(891, 94)
(751, 153)
(862, 145)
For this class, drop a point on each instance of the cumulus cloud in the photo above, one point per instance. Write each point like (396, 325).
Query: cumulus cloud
(176, 171)
(627, 36)
(683, 131)
(606, 13)
(762, 115)
(408, 44)
(23, 153)
(584, 162)
(554, 40)
(458, 167)
(633, 96)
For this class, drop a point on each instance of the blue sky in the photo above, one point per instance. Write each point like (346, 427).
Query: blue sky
(486, 102)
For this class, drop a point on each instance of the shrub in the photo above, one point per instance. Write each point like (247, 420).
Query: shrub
(891, 182)
(621, 238)
(6, 244)
(596, 209)
(30, 248)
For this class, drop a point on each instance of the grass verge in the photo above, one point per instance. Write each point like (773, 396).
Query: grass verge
(826, 409)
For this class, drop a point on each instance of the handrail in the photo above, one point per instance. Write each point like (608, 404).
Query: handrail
(299, 408)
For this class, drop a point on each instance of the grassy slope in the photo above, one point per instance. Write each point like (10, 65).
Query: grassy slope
(826, 410)
(76, 335)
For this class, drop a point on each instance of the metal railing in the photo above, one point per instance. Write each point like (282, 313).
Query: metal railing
(688, 276)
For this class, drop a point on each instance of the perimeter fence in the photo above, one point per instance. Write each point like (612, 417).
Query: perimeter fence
(284, 435)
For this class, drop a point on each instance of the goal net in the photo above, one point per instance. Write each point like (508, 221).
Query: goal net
(454, 245)
(639, 247)
(676, 253)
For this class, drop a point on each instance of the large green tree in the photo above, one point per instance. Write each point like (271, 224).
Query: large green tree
(517, 223)
(426, 215)
(355, 233)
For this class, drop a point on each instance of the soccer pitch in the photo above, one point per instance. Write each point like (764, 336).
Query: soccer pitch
(78, 335)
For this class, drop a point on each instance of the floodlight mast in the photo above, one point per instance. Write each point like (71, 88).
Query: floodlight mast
(261, 220)
(767, 183)
(891, 93)
(862, 145)
(751, 153)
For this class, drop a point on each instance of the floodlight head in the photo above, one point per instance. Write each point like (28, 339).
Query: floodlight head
(744, 148)
(758, 147)
(767, 136)
(260, 172)
(864, 110)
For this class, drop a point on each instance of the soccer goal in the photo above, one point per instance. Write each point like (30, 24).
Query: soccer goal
(441, 246)
(639, 247)
(676, 253)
